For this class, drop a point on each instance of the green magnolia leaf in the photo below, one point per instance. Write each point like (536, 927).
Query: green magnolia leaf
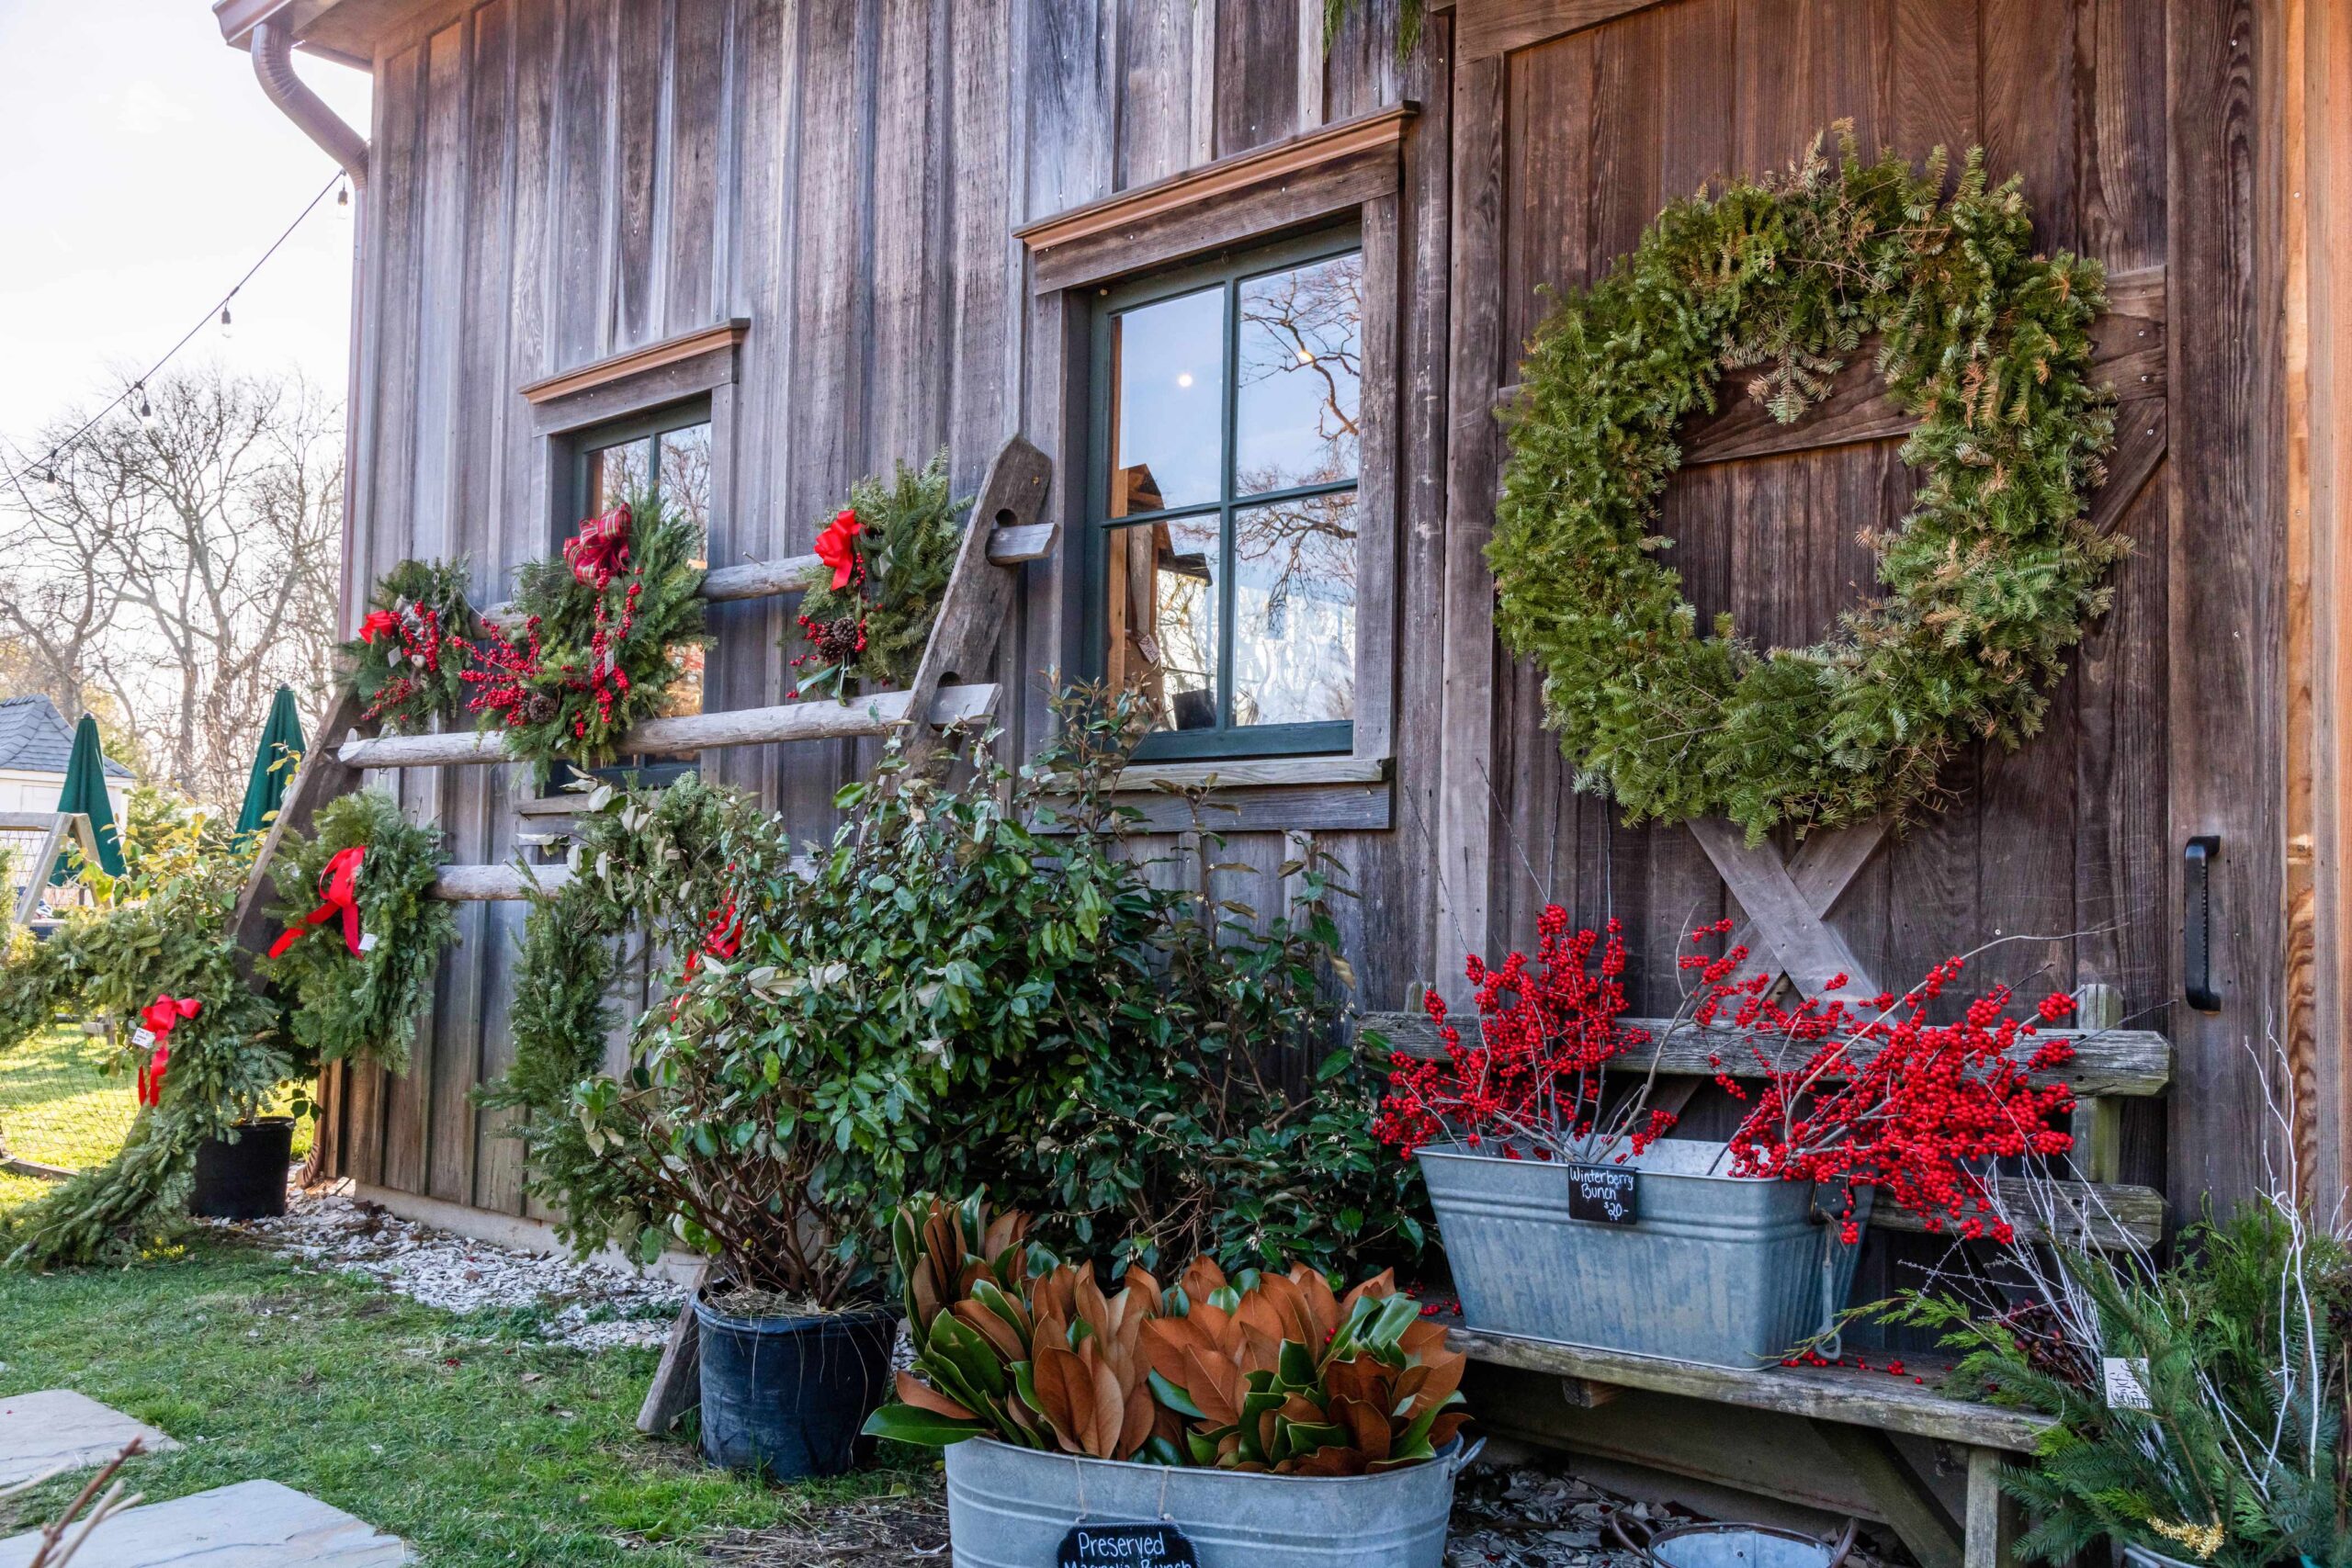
(905, 1424)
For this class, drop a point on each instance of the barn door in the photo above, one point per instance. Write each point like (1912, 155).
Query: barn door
(1568, 140)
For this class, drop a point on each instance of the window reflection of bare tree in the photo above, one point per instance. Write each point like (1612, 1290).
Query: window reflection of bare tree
(1306, 323)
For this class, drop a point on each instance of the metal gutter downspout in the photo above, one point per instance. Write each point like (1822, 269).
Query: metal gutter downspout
(272, 45)
(273, 51)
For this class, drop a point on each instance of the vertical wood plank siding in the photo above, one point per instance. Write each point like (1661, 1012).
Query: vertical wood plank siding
(559, 180)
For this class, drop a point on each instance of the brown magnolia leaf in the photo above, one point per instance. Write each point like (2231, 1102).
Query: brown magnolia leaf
(993, 1329)
(1142, 1411)
(1147, 1290)
(1445, 1377)
(1216, 1387)
(1367, 1426)
(1110, 1411)
(1443, 1429)
(1201, 1279)
(1065, 1396)
(1381, 1284)
(913, 1391)
(1331, 1460)
(1322, 1307)
(1359, 1378)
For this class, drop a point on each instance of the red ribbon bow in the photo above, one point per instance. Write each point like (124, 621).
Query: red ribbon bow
(377, 623)
(339, 889)
(600, 551)
(160, 1017)
(836, 547)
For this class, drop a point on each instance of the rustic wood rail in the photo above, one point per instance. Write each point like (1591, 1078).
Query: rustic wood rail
(1851, 1410)
(813, 720)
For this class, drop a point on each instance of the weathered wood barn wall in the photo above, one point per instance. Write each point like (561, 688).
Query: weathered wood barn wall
(557, 181)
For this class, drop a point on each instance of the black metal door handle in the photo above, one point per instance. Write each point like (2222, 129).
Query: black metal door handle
(2197, 922)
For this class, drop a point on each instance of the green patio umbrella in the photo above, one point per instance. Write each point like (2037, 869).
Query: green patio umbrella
(85, 792)
(274, 764)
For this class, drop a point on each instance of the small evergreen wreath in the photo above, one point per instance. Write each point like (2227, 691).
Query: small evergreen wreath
(1988, 581)
(408, 662)
(885, 561)
(605, 633)
(363, 882)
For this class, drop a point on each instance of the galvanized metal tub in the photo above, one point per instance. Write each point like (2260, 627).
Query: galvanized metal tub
(1010, 1508)
(1725, 1270)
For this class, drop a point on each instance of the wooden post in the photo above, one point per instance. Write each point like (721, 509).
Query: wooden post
(1992, 1523)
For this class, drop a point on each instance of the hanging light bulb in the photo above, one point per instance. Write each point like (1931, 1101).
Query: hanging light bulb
(145, 409)
(226, 329)
(343, 201)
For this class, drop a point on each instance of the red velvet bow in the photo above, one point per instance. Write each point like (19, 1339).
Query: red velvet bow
(600, 551)
(377, 623)
(836, 547)
(339, 890)
(160, 1017)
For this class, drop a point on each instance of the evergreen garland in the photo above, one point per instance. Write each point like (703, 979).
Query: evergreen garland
(364, 1006)
(663, 863)
(600, 646)
(1409, 16)
(226, 1062)
(1989, 580)
(408, 662)
(873, 628)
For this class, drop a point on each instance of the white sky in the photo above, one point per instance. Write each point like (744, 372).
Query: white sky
(141, 171)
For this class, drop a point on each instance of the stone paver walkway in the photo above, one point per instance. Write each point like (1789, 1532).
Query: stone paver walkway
(41, 1432)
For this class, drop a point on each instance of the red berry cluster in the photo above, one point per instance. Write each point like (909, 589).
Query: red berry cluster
(505, 675)
(1532, 1077)
(834, 642)
(422, 642)
(1873, 1095)
(1859, 1096)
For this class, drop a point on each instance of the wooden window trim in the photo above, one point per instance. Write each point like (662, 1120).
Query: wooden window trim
(1487, 29)
(1347, 791)
(638, 380)
(1249, 197)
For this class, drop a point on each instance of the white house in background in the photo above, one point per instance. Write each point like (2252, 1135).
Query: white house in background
(35, 742)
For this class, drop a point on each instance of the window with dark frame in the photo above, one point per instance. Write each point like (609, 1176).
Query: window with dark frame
(666, 453)
(1222, 540)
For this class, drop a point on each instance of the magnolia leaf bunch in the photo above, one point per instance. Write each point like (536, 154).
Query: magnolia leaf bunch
(1263, 1371)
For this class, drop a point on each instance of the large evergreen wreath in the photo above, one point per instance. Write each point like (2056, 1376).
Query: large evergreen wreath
(1988, 581)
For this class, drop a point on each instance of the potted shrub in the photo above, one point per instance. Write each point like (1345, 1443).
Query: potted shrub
(736, 1156)
(1568, 1213)
(1262, 1417)
(2201, 1410)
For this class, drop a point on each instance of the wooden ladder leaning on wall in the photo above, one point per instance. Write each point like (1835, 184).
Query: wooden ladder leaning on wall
(1005, 531)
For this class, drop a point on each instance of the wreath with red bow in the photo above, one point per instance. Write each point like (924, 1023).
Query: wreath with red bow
(363, 930)
(883, 565)
(596, 642)
(408, 662)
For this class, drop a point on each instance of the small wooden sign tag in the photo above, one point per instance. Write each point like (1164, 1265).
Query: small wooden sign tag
(1127, 1546)
(1605, 1194)
(2127, 1382)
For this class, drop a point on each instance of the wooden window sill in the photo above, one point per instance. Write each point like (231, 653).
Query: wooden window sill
(1265, 795)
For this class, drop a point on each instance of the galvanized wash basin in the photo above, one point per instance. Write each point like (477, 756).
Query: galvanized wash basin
(1010, 1508)
(1723, 1271)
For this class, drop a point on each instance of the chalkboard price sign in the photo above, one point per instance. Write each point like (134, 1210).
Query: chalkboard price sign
(1127, 1546)
(1605, 1194)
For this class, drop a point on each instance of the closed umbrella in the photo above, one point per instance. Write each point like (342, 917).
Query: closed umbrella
(274, 763)
(85, 792)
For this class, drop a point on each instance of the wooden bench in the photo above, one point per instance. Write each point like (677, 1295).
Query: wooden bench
(1845, 1415)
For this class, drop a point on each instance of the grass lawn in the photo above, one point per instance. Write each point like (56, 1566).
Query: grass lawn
(56, 1107)
(477, 1447)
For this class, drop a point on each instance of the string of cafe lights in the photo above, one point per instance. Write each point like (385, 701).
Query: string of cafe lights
(39, 467)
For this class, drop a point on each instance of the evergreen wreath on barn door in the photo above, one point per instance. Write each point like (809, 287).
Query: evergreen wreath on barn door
(1988, 581)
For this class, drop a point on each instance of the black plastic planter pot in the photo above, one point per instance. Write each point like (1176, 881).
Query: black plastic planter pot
(785, 1396)
(246, 1179)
